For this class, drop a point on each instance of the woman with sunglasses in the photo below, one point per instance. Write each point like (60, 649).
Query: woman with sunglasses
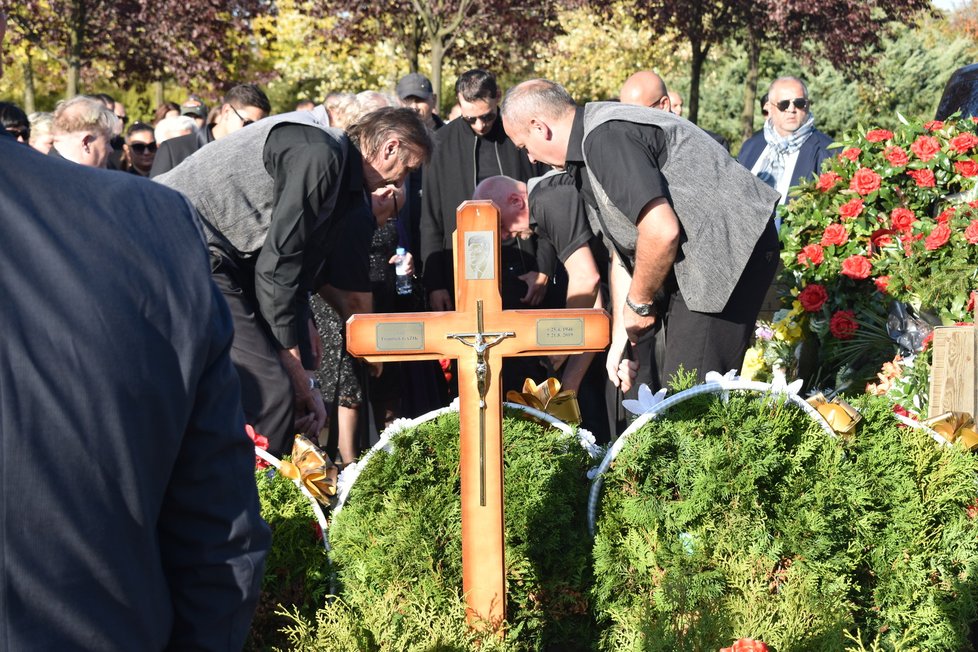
(139, 149)
(15, 122)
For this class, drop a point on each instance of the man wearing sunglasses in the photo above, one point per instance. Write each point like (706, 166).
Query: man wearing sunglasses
(789, 148)
(243, 105)
(468, 150)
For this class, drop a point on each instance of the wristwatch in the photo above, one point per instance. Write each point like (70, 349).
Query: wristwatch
(642, 309)
(314, 383)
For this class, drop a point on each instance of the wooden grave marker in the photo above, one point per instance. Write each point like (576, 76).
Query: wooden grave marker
(478, 333)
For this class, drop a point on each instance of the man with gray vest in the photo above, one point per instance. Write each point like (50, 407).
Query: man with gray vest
(276, 200)
(694, 243)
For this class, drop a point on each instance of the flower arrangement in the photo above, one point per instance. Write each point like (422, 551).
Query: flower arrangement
(887, 221)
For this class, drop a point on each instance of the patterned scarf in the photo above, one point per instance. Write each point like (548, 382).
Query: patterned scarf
(779, 149)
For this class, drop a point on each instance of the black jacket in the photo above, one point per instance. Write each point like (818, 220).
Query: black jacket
(449, 179)
(173, 151)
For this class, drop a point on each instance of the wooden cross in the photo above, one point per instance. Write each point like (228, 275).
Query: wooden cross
(479, 333)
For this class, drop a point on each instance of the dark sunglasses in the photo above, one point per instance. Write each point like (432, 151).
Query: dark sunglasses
(800, 103)
(244, 121)
(20, 132)
(486, 118)
(142, 148)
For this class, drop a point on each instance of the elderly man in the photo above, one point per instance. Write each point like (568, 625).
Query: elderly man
(646, 88)
(664, 192)
(270, 226)
(415, 92)
(243, 105)
(789, 148)
(131, 518)
(83, 131)
(469, 150)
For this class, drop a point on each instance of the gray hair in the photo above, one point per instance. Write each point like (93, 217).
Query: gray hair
(540, 97)
(168, 128)
(83, 113)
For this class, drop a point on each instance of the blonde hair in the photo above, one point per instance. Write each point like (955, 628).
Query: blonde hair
(83, 113)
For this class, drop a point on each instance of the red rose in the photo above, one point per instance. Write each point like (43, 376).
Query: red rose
(748, 645)
(934, 125)
(938, 237)
(865, 181)
(880, 238)
(970, 306)
(879, 135)
(946, 215)
(896, 156)
(966, 168)
(851, 208)
(813, 252)
(835, 234)
(927, 340)
(902, 411)
(971, 233)
(827, 181)
(843, 324)
(925, 147)
(902, 219)
(963, 142)
(813, 297)
(924, 178)
(857, 267)
(882, 282)
(851, 153)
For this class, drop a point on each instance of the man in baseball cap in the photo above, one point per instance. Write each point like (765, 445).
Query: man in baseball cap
(196, 109)
(415, 92)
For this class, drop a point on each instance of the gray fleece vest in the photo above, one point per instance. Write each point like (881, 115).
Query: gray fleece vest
(723, 209)
(229, 186)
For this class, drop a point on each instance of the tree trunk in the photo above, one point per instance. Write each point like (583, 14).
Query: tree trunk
(157, 94)
(76, 40)
(750, 86)
(437, 56)
(414, 37)
(30, 96)
(695, 72)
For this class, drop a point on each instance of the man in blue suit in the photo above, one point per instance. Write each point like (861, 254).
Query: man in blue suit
(789, 149)
(127, 495)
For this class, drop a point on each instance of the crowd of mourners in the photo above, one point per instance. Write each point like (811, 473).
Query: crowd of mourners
(149, 323)
(622, 205)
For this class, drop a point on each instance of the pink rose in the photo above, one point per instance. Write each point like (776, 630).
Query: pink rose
(835, 234)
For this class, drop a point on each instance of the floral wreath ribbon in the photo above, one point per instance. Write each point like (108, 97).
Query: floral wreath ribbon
(548, 397)
(953, 427)
(313, 468)
(841, 417)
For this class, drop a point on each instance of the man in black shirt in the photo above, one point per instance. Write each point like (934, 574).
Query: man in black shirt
(468, 150)
(275, 199)
(694, 241)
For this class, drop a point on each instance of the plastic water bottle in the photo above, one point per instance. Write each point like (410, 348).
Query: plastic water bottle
(404, 284)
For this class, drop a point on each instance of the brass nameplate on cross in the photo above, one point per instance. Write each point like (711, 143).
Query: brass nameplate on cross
(400, 336)
(560, 332)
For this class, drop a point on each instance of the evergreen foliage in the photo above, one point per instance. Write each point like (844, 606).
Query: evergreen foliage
(296, 569)
(396, 546)
(722, 520)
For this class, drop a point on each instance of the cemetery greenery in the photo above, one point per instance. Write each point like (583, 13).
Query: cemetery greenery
(721, 519)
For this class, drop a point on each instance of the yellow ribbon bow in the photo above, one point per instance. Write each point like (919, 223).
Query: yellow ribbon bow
(841, 417)
(547, 397)
(955, 426)
(313, 468)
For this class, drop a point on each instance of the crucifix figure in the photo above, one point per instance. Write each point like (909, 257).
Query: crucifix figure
(498, 334)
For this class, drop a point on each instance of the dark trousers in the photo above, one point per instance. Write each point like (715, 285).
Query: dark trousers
(718, 341)
(266, 389)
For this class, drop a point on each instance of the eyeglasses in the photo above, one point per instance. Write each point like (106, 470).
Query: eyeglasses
(24, 133)
(485, 118)
(142, 148)
(244, 121)
(800, 103)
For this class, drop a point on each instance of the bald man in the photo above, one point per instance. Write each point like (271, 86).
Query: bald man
(646, 88)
